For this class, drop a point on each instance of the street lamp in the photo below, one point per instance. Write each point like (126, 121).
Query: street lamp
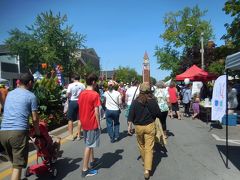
(202, 48)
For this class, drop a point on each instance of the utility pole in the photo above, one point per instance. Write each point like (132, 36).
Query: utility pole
(202, 51)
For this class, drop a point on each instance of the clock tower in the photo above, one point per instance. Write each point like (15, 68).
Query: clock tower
(146, 68)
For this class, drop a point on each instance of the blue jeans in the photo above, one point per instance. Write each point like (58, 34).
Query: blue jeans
(113, 124)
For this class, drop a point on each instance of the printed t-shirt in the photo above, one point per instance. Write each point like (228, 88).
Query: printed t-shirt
(88, 100)
(75, 89)
(18, 106)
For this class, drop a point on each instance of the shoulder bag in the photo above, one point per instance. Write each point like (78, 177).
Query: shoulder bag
(115, 103)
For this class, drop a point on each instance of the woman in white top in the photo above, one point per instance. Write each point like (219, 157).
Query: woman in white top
(113, 102)
(162, 96)
(131, 94)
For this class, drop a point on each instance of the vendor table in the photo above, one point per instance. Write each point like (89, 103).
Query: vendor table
(205, 113)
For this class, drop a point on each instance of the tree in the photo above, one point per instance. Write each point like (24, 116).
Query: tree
(153, 80)
(168, 58)
(125, 74)
(220, 53)
(49, 40)
(232, 7)
(183, 31)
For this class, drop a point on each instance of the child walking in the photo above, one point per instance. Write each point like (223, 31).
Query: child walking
(195, 107)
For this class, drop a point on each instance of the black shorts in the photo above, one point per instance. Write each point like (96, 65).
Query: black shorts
(72, 113)
(175, 106)
(15, 143)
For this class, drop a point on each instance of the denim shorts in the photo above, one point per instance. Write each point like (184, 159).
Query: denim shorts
(72, 113)
(91, 138)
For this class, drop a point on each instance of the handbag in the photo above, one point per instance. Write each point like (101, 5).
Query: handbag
(65, 107)
(160, 136)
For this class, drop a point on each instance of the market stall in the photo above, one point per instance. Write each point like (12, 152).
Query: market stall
(232, 63)
(198, 75)
(194, 73)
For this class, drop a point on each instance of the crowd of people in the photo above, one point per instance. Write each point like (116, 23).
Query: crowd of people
(92, 102)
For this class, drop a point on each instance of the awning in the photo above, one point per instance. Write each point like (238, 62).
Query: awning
(195, 73)
(233, 61)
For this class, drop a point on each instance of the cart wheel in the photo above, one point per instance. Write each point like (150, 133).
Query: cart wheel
(27, 173)
(54, 172)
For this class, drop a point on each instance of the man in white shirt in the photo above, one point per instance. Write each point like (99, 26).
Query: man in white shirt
(131, 93)
(73, 91)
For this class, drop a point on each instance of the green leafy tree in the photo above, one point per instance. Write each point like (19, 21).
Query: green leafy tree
(49, 40)
(167, 78)
(217, 67)
(153, 81)
(183, 31)
(232, 7)
(220, 53)
(168, 58)
(125, 74)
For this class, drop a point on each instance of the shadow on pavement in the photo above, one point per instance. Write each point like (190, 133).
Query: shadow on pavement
(64, 166)
(123, 135)
(159, 153)
(233, 153)
(169, 133)
(104, 131)
(109, 159)
(3, 157)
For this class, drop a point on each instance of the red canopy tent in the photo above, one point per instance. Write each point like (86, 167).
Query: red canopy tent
(195, 73)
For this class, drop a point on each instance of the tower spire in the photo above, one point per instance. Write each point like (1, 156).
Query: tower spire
(146, 68)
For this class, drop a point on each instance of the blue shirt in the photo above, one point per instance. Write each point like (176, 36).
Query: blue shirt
(187, 95)
(18, 106)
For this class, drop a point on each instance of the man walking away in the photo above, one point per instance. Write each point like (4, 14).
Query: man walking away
(73, 91)
(19, 104)
(89, 102)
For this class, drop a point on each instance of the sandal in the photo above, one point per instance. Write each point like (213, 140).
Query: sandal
(146, 175)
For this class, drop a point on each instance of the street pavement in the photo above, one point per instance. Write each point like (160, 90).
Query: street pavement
(194, 152)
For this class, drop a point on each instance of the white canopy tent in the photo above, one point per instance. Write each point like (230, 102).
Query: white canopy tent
(232, 63)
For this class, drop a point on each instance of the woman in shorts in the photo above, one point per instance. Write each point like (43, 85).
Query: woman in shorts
(173, 99)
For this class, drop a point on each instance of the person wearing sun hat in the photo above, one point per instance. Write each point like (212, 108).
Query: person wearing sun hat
(142, 114)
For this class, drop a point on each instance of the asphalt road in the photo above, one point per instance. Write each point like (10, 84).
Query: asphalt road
(192, 153)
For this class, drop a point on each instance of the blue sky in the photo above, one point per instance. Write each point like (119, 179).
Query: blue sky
(119, 30)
